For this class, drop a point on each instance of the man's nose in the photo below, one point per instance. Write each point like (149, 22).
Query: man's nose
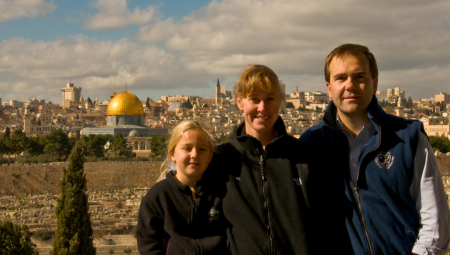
(349, 83)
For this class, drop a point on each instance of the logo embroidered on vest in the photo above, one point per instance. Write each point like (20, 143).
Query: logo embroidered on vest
(213, 214)
(384, 160)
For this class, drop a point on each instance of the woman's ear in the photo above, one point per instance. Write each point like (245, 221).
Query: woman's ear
(239, 103)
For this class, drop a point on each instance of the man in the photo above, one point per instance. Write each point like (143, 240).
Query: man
(394, 200)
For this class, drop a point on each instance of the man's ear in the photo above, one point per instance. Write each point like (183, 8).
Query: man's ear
(329, 89)
(375, 85)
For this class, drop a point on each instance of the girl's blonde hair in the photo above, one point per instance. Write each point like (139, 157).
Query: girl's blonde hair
(175, 137)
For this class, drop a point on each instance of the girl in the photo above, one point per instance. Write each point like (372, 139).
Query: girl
(182, 213)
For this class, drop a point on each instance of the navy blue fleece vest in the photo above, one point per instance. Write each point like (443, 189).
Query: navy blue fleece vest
(385, 175)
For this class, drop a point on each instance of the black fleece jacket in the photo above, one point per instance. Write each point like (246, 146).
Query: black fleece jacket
(267, 202)
(170, 222)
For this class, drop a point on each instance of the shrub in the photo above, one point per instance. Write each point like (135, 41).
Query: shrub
(45, 158)
(6, 160)
(142, 159)
(94, 159)
(26, 158)
(44, 234)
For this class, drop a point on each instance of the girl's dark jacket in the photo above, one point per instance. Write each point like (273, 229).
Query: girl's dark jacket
(170, 222)
(269, 204)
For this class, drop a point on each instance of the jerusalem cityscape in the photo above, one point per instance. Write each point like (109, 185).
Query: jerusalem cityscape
(30, 188)
(91, 90)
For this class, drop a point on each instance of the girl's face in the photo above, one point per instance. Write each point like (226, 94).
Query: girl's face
(192, 156)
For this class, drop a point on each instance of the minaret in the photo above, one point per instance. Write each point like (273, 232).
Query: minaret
(113, 93)
(400, 109)
(296, 89)
(217, 91)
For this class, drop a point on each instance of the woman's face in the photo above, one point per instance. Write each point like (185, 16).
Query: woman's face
(260, 112)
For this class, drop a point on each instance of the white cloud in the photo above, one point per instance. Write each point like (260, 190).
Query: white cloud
(94, 65)
(13, 9)
(409, 39)
(114, 14)
(294, 37)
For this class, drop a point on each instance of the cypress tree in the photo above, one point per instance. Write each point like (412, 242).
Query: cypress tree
(15, 239)
(73, 233)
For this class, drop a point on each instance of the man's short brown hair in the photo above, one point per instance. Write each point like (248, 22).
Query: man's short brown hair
(355, 50)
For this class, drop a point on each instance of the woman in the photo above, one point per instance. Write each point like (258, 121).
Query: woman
(267, 174)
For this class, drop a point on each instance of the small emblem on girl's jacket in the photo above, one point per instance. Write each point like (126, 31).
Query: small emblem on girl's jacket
(213, 214)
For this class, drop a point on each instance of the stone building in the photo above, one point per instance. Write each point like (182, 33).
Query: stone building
(125, 115)
(71, 96)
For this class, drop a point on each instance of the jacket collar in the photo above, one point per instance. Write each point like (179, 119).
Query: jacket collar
(279, 127)
(374, 112)
(252, 144)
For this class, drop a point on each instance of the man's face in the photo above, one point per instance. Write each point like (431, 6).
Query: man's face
(351, 86)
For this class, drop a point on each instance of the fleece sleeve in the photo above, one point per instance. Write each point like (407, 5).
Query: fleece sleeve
(150, 232)
(431, 202)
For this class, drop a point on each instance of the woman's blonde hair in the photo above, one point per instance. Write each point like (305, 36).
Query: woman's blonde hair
(255, 77)
(175, 137)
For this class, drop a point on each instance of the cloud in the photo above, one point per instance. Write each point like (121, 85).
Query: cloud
(11, 9)
(409, 39)
(94, 65)
(294, 37)
(114, 14)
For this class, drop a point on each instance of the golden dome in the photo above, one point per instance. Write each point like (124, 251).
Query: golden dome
(125, 103)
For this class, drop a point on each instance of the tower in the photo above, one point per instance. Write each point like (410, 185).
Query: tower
(113, 93)
(217, 91)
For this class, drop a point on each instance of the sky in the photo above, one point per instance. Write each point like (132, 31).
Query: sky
(182, 47)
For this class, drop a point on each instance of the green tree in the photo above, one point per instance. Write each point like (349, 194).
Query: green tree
(7, 133)
(158, 145)
(127, 251)
(289, 105)
(120, 146)
(189, 104)
(440, 143)
(73, 233)
(15, 239)
(57, 144)
(35, 146)
(93, 145)
(18, 142)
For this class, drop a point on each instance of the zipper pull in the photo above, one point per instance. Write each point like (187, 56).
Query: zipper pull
(261, 167)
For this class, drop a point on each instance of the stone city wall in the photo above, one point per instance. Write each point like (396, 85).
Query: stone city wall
(37, 179)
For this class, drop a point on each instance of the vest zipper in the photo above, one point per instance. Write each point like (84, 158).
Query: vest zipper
(265, 203)
(362, 218)
(357, 193)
